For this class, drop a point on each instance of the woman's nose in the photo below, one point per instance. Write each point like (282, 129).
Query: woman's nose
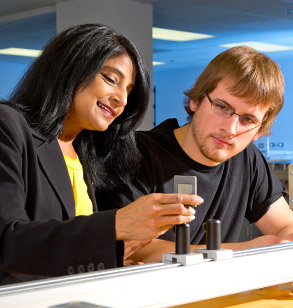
(120, 97)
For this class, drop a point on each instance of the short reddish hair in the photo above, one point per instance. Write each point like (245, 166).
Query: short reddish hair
(254, 75)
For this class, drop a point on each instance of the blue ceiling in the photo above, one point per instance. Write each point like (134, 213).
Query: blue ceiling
(229, 21)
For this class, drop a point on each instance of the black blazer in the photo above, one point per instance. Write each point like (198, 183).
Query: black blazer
(39, 233)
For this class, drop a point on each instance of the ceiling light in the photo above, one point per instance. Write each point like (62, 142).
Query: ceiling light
(20, 52)
(175, 35)
(263, 47)
(158, 63)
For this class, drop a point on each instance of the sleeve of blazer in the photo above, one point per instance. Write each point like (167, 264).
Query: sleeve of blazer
(36, 235)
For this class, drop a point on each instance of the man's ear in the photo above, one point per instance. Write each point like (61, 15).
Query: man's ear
(192, 105)
(257, 136)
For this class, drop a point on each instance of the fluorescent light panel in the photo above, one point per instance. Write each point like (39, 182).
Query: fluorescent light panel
(158, 63)
(175, 35)
(36, 53)
(262, 47)
(20, 52)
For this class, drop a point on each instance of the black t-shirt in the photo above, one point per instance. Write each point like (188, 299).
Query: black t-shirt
(243, 186)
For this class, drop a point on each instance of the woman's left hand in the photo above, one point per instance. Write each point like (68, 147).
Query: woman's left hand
(130, 247)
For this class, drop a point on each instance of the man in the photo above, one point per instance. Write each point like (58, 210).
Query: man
(234, 102)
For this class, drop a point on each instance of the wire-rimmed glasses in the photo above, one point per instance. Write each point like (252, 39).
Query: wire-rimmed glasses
(224, 110)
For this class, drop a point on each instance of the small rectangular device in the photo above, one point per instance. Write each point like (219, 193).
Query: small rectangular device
(185, 184)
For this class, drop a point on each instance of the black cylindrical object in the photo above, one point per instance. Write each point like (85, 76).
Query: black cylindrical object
(182, 239)
(213, 234)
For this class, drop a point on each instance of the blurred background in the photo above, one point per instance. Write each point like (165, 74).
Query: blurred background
(176, 62)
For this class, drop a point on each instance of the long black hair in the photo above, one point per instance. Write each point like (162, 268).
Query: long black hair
(46, 91)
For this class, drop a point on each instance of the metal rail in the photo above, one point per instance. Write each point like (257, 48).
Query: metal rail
(66, 280)
(264, 249)
(159, 285)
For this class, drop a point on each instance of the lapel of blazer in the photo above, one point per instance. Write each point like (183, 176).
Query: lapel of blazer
(53, 164)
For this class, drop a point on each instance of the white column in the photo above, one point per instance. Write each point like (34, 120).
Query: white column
(130, 18)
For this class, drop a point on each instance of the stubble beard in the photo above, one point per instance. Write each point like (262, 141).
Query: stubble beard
(212, 155)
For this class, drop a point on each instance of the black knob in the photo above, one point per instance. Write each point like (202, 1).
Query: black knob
(182, 238)
(213, 234)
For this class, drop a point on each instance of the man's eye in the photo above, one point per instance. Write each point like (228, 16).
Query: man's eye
(221, 107)
(248, 120)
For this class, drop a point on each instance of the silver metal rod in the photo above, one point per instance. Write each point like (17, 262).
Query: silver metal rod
(257, 250)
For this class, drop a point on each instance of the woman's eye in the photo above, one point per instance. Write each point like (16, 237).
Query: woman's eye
(109, 79)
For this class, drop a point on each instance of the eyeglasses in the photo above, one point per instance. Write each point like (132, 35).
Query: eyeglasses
(226, 111)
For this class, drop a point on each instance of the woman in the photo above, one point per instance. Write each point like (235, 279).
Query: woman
(67, 130)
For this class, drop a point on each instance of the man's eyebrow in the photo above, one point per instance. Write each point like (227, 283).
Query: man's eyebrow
(226, 103)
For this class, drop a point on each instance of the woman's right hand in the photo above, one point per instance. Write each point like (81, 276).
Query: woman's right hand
(150, 216)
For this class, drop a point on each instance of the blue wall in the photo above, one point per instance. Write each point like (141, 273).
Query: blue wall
(11, 72)
(169, 96)
(169, 87)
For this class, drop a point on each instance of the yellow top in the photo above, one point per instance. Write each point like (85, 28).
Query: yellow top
(83, 204)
